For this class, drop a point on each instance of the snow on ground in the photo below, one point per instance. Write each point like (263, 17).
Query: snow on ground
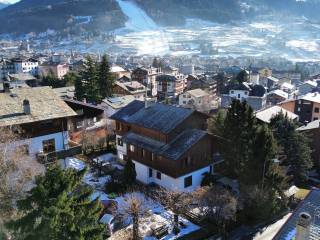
(96, 182)
(157, 216)
(72, 162)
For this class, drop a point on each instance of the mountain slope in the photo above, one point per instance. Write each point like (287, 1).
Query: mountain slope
(61, 15)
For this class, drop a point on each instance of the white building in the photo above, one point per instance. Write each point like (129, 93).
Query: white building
(25, 65)
(40, 114)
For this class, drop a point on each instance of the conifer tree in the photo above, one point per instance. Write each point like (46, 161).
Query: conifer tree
(129, 172)
(79, 88)
(58, 207)
(105, 78)
(295, 147)
(90, 78)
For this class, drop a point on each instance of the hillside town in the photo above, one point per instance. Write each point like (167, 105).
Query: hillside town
(123, 147)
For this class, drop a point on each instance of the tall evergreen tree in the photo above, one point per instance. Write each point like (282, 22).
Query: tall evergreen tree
(79, 88)
(295, 147)
(58, 207)
(105, 78)
(129, 172)
(236, 129)
(90, 78)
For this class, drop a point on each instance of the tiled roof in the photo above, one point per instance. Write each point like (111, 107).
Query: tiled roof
(310, 205)
(44, 102)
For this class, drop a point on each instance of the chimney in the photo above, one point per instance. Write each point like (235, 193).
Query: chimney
(26, 107)
(303, 226)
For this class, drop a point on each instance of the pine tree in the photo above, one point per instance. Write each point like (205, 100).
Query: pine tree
(129, 172)
(58, 207)
(236, 130)
(79, 89)
(295, 147)
(90, 77)
(106, 78)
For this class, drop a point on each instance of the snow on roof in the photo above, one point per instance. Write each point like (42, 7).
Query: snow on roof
(312, 125)
(267, 114)
(198, 93)
(279, 93)
(115, 69)
(73, 163)
(312, 97)
(312, 83)
(274, 79)
(106, 219)
(286, 85)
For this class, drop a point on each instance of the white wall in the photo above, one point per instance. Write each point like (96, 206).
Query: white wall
(176, 184)
(36, 146)
(236, 93)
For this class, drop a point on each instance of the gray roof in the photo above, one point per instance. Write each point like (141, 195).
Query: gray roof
(126, 112)
(182, 143)
(166, 78)
(159, 117)
(312, 125)
(309, 205)
(173, 150)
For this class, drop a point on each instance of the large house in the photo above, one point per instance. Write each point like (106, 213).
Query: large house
(25, 65)
(168, 145)
(41, 116)
(133, 88)
(306, 106)
(147, 76)
(170, 86)
(59, 70)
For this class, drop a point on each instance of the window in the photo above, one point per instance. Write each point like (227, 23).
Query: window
(150, 172)
(159, 175)
(131, 148)
(49, 146)
(188, 181)
(238, 95)
(143, 152)
(121, 156)
(316, 110)
(120, 142)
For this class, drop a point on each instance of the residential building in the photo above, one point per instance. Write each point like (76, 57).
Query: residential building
(133, 88)
(6, 67)
(170, 86)
(306, 106)
(199, 100)
(307, 87)
(168, 145)
(89, 120)
(276, 96)
(58, 70)
(265, 115)
(147, 77)
(245, 92)
(25, 65)
(114, 104)
(41, 115)
(119, 72)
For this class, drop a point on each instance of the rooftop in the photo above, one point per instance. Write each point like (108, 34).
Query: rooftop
(198, 93)
(119, 102)
(158, 116)
(279, 93)
(132, 86)
(266, 115)
(311, 125)
(45, 104)
(312, 97)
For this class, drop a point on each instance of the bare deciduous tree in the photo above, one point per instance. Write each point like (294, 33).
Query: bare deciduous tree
(17, 169)
(216, 203)
(135, 207)
(178, 202)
